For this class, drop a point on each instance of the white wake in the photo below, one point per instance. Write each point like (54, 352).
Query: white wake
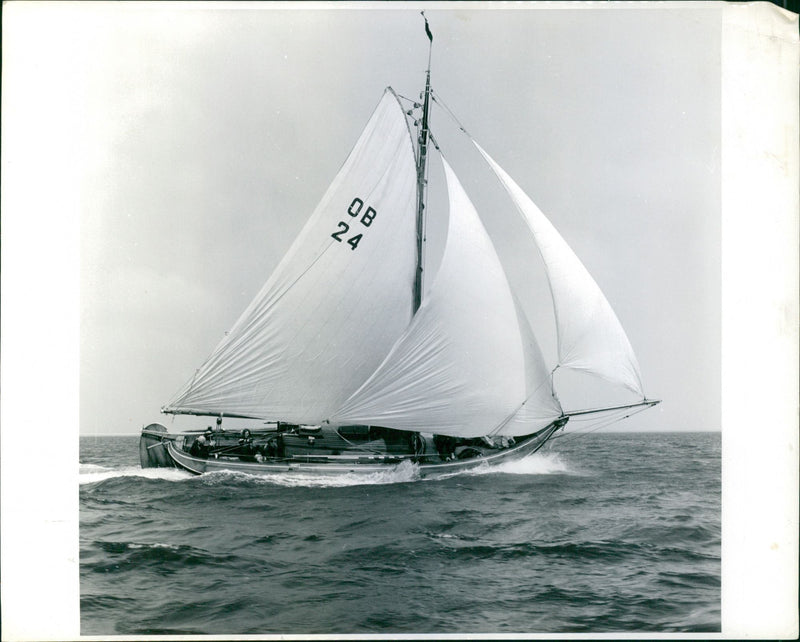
(401, 473)
(92, 473)
(549, 463)
(536, 464)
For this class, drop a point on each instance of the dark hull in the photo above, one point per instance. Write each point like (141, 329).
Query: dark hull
(159, 449)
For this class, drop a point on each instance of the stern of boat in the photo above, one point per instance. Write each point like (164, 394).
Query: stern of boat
(153, 447)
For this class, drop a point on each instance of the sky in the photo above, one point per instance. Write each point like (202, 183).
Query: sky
(205, 135)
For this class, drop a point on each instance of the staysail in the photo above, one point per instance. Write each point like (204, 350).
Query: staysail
(336, 303)
(540, 401)
(465, 367)
(590, 337)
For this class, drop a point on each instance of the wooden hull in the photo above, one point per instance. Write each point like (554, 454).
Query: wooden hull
(158, 449)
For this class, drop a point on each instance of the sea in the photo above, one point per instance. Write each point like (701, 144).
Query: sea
(596, 533)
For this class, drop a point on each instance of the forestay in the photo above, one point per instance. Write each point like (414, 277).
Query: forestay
(465, 366)
(590, 337)
(338, 300)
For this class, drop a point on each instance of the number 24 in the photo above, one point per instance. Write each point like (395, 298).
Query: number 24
(344, 227)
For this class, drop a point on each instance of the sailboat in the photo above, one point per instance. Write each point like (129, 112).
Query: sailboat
(344, 363)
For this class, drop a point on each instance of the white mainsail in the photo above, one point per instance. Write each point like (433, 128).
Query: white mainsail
(590, 337)
(338, 300)
(465, 367)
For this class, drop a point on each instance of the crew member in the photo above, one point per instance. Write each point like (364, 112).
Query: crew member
(199, 447)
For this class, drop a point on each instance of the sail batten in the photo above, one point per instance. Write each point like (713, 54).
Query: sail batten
(590, 336)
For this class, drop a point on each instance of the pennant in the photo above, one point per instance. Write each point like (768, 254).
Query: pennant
(427, 28)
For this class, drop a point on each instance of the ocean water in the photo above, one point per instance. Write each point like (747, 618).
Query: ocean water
(600, 532)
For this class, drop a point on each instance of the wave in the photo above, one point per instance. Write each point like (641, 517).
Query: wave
(164, 558)
(536, 464)
(458, 545)
(92, 473)
(402, 473)
(407, 471)
(93, 468)
(450, 548)
(482, 549)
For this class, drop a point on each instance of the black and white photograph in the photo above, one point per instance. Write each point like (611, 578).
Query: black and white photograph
(400, 319)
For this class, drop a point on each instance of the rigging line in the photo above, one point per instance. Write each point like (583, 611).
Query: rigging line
(603, 421)
(592, 419)
(607, 423)
(449, 112)
(610, 419)
(411, 100)
(645, 403)
(603, 424)
(504, 422)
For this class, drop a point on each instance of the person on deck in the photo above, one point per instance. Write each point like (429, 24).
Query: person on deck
(246, 450)
(199, 447)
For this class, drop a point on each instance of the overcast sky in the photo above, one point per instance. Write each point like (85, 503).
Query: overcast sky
(201, 138)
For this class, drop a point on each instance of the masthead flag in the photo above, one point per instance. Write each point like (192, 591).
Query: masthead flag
(427, 28)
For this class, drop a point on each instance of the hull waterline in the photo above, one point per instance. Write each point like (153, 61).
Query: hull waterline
(159, 450)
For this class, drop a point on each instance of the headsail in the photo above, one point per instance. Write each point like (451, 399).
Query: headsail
(338, 300)
(540, 401)
(590, 337)
(464, 367)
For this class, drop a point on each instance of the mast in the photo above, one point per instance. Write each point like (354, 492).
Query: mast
(421, 181)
